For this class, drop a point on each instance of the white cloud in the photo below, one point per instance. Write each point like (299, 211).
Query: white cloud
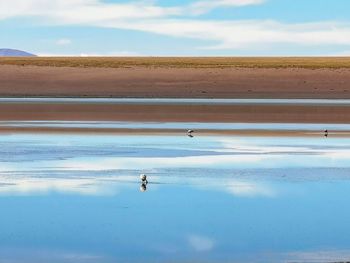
(200, 7)
(147, 16)
(112, 54)
(82, 11)
(200, 243)
(107, 54)
(88, 11)
(64, 42)
(246, 34)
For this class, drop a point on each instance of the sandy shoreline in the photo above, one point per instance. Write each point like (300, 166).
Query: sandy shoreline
(176, 113)
(172, 132)
(175, 82)
(145, 82)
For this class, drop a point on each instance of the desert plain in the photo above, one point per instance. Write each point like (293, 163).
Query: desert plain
(176, 78)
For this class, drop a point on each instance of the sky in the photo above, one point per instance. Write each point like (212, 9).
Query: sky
(176, 27)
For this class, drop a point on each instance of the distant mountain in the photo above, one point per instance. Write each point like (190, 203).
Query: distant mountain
(5, 52)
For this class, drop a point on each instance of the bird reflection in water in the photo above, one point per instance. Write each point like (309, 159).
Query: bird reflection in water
(143, 187)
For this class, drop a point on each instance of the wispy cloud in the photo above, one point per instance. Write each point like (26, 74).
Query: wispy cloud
(64, 42)
(246, 34)
(21, 254)
(85, 11)
(106, 54)
(99, 186)
(201, 243)
(249, 189)
(181, 22)
(201, 7)
(317, 256)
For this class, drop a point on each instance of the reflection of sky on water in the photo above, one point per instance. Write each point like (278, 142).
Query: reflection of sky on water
(98, 153)
(176, 125)
(76, 198)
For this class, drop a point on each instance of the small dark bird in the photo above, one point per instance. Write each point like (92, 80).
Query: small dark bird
(190, 133)
(326, 133)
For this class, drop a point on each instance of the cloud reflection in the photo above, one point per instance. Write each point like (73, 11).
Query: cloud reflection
(250, 189)
(317, 256)
(81, 155)
(153, 163)
(201, 243)
(31, 255)
(111, 185)
(14, 185)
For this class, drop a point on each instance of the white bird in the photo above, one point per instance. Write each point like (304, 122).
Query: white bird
(143, 178)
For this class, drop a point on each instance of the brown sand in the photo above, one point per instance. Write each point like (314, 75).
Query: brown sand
(162, 82)
(176, 113)
(147, 82)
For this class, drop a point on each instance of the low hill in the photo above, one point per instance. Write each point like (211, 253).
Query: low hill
(5, 52)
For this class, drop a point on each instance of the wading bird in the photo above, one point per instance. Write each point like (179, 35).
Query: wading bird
(143, 178)
(144, 182)
(190, 133)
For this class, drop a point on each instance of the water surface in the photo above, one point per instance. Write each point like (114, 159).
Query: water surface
(77, 198)
(317, 127)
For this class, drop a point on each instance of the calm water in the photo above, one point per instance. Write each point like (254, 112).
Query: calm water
(178, 125)
(77, 198)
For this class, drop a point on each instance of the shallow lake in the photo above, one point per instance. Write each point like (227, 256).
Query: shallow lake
(78, 198)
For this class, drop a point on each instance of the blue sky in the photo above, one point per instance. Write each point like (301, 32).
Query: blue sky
(177, 27)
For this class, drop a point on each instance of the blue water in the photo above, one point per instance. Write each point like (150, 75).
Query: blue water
(77, 198)
(178, 125)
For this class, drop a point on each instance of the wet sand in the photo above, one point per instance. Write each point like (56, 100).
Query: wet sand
(162, 82)
(173, 132)
(253, 113)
